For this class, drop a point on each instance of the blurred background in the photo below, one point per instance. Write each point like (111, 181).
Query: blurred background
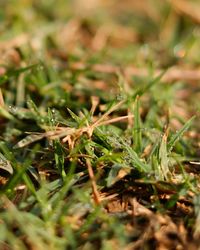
(156, 32)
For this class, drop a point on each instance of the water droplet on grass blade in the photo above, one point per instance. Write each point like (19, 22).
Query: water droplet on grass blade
(12, 109)
(120, 97)
(42, 120)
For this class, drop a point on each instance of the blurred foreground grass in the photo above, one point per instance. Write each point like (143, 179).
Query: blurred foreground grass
(99, 121)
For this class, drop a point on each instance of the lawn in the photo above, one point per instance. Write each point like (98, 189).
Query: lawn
(99, 124)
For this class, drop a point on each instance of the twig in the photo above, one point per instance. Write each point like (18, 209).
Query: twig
(1, 99)
(15, 42)
(171, 75)
(96, 194)
(186, 8)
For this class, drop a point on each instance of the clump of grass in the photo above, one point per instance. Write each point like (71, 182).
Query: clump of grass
(94, 149)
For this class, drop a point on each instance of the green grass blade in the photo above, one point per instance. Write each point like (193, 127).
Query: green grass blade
(16, 72)
(143, 90)
(28, 140)
(134, 158)
(179, 133)
(163, 159)
(137, 134)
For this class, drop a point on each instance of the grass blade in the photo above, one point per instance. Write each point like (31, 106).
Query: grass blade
(5, 164)
(179, 133)
(141, 91)
(137, 135)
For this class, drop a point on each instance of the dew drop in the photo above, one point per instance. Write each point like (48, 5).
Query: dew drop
(62, 102)
(119, 97)
(13, 109)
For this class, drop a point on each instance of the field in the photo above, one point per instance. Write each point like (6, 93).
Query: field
(99, 124)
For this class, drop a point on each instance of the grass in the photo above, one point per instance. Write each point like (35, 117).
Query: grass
(99, 121)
